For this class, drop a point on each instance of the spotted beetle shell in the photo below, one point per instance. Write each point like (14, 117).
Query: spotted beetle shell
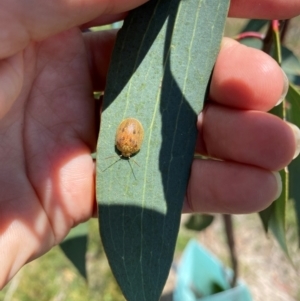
(129, 137)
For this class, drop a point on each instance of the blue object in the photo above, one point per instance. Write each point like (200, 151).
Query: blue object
(200, 275)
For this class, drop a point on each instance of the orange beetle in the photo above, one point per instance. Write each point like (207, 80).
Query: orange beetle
(129, 137)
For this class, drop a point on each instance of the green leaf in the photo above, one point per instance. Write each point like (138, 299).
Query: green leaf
(265, 216)
(199, 222)
(293, 97)
(290, 62)
(277, 218)
(274, 216)
(252, 42)
(254, 25)
(291, 65)
(159, 74)
(75, 247)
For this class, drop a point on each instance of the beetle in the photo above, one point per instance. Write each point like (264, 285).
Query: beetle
(129, 137)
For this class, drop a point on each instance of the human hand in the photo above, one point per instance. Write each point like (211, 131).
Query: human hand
(47, 125)
(236, 128)
(47, 121)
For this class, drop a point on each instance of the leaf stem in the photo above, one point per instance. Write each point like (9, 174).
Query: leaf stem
(227, 218)
(249, 34)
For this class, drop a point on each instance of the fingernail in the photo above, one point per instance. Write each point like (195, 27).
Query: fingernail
(279, 184)
(285, 88)
(296, 132)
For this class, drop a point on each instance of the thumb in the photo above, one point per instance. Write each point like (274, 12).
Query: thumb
(21, 23)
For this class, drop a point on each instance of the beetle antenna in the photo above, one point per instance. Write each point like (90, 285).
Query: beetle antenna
(111, 164)
(134, 161)
(132, 168)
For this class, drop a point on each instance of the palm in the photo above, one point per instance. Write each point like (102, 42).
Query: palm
(46, 171)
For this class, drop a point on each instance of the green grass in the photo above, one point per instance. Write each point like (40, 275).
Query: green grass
(53, 277)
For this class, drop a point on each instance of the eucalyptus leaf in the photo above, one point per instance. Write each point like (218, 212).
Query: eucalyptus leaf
(254, 25)
(293, 78)
(273, 217)
(199, 222)
(252, 42)
(291, 65)
(160, 69)
(293, 97)
(278, 217)
(265, 216)
(75, 247)
(290, 62)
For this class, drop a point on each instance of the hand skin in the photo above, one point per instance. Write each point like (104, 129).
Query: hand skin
(48, 70)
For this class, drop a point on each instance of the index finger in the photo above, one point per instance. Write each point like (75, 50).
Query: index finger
(264, 9)
(246, 78)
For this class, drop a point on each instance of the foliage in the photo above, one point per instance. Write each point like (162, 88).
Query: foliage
(199, 222)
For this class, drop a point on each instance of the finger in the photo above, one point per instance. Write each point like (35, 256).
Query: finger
(232, 188)
(266, 9)
(249, 137)
(20, 22)
(47, 174)
(23, 222)
(22, 226)
(11, 81)
(246, 78)
(99, 47)
(26, 231)
(68, 166)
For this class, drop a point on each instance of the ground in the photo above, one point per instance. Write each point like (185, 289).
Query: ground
(264, 267)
